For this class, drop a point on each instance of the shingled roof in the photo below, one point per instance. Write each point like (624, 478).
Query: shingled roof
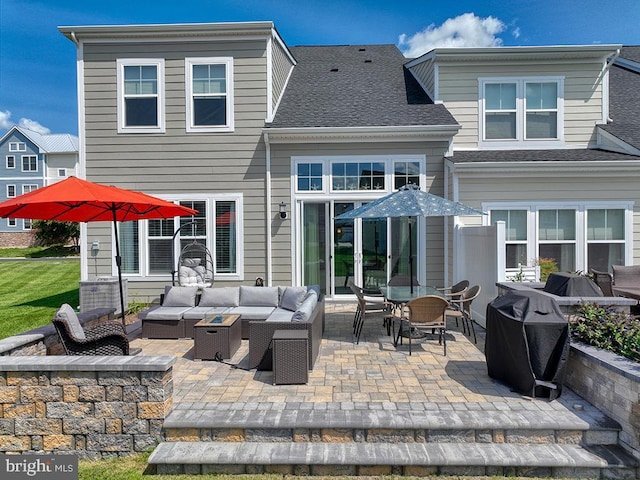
(555, 155)
(624, 98)
(355, 86)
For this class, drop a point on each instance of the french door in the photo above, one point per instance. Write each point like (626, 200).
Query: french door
(367, 251)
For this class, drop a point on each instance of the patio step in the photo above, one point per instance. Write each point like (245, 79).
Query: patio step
(479, 440)
(415, 459)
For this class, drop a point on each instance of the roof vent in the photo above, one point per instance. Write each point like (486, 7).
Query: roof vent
(362, 49)
(367, 61)
(334, 69)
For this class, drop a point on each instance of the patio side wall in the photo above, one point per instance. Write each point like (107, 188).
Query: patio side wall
(612, 384)
(94, 407)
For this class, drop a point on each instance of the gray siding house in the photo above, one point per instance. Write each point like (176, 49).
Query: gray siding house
(270, 143)
(30, 160)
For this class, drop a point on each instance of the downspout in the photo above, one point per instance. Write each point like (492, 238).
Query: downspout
(605, 86)
(446, 227)
(269, 272)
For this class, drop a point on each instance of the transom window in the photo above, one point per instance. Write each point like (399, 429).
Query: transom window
(309, 177)
(358, 176)
(140, 95)
(209, 84)
(405, 173)
(29, 163)
(17, 147)
(11, 161)
(521, 110)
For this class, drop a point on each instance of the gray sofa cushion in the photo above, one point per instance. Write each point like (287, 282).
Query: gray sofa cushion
(291, 297)
(280, 315)
(258, 296)
(303, 313)
(198, 313)
(180, 297)
(252, 313)
(220, 297)
(167, 313)
(68, 314)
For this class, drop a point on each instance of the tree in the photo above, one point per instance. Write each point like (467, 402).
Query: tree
(50, 232)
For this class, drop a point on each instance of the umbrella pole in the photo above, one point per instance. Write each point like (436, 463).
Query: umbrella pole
(410, 256)
(119, 264)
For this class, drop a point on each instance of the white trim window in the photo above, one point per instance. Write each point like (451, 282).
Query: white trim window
(574, 236)
(17, 147)
(11, 161)
(12, 222)
(29, 163)
(26, 223)
(62, 172)
(11, 191)
(209, 94)
(151, 249)
(141, 101)
(517, 112)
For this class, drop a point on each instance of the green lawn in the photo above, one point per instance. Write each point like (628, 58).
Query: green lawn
(32, 291)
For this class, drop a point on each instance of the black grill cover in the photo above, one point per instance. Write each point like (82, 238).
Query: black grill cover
(527, 343)
(570, 285)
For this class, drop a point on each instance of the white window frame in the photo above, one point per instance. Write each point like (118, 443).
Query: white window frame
(121, 63)
(62, 172)
(581, 209)
(143, 240)
(13, 157)
(189, 62)
(17, 147)
(22, 159)
(521, 112)
(12, 222)
(14, 191)
(29, 187)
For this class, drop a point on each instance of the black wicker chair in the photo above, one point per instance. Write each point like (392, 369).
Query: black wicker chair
(108, 338)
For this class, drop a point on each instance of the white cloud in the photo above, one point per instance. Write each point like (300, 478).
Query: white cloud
(466, 30)
(5, 122)
(34, 126)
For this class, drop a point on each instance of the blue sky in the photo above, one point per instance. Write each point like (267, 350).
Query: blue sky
(38, 71)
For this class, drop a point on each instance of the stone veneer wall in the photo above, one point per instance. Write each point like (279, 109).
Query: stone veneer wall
(612, 384)
(91, 406)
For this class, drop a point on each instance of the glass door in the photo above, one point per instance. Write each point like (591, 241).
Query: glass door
(314, 245)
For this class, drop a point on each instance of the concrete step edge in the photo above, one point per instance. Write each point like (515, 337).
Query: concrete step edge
(407, 454)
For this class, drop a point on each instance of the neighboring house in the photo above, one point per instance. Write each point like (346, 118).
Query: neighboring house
(31, 160)
(227, 119)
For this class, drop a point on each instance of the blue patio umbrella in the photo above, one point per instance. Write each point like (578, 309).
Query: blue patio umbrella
(410, 201)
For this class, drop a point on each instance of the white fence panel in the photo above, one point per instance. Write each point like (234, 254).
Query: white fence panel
(479, 258)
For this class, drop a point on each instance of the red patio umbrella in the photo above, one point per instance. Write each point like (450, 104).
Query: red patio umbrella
(77, 200)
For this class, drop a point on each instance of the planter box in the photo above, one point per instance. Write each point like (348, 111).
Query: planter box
(612, 384)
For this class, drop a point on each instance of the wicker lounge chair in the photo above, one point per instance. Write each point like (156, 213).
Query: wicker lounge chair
(605, 281)
(108, 338)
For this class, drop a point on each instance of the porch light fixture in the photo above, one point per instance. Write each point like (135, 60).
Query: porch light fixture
(283, 210)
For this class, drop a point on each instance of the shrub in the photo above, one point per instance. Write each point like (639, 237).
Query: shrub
(607, 328)
(547, 267)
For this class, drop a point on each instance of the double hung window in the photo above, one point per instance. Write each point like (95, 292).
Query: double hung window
(209, 91)
(11, 161)
(140, 95)
(29, 163)
(527, 111)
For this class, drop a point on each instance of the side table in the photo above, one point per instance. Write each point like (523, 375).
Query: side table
(290, 356)
(211, 337)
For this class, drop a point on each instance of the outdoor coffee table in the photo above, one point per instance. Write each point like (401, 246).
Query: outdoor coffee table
(216, 334)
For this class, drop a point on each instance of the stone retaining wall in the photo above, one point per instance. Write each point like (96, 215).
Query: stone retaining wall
(612, 384)
(92, 406)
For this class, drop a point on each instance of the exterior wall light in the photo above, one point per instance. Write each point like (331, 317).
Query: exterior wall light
(283, 210)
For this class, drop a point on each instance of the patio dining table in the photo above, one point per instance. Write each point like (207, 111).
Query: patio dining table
(400, 295)
(627, 291)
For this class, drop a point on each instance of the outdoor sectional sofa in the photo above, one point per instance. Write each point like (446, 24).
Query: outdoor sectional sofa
(262, 310)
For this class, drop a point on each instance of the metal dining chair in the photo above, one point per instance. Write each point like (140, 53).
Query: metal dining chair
(426, 312)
